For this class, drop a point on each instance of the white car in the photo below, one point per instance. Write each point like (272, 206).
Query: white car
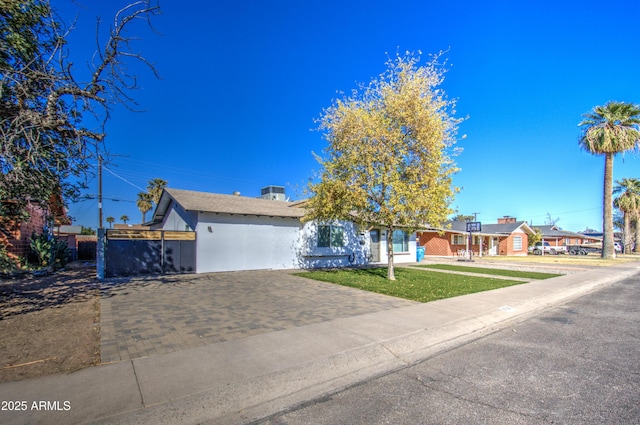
(548, 249)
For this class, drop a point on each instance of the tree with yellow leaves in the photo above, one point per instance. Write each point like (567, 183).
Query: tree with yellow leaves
(388, 160)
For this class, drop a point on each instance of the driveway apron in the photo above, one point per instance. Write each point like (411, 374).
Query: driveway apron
(148, 316)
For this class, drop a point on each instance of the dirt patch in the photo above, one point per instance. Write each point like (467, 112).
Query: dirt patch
(49, 324)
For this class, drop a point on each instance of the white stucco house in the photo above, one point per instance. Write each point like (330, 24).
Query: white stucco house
(236, 232)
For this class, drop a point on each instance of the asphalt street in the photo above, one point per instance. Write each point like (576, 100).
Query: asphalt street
(578, 363)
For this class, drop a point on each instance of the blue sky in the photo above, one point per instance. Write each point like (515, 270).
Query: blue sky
(242, 82)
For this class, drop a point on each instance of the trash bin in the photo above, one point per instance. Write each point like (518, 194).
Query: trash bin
(419, 253)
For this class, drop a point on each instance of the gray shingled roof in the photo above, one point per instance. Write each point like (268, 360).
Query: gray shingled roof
(487, 229)
(225, 204)
(549, 231)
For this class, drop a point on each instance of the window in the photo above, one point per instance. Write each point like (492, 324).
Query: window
(400, 241)
(330, 236)
(457, 240)
(517, 243)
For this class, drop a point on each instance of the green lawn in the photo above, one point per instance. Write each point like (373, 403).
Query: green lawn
(495, 272)
(416, 285)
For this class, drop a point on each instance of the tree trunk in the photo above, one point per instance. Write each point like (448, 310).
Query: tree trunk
(627, 233)
(390, 272)
(607, 207)
(637, 241)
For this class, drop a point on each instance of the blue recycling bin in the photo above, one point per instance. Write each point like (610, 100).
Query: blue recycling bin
(419, 253)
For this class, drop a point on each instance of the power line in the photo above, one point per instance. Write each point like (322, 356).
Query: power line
(95, 196)
(567, 212)
(123, 179)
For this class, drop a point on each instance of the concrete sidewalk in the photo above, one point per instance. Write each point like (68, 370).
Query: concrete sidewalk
(247, 379)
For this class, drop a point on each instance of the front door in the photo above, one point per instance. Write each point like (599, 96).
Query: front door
(493, 249)
(374, 236)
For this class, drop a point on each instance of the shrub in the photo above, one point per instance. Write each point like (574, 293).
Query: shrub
(50, 251)
(7, 261)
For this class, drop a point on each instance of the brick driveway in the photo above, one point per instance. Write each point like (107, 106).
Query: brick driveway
(146, 316)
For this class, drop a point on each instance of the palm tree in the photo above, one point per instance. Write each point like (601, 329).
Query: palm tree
(608, 130)
(110, 220)
(154, 188)
(124, 218)
(629, 203)
(144, 204)
(636, 246)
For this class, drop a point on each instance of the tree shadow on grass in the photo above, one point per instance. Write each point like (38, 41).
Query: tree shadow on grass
(369, 270)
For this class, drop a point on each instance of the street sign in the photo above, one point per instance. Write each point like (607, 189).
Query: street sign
(474, 226)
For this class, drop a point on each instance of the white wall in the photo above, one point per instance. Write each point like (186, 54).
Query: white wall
(227, 242)
(237, 242)
(398, 257)
(177, 219)
(354, 252)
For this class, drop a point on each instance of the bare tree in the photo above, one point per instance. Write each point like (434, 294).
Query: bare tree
(45, 110)
(550, 221)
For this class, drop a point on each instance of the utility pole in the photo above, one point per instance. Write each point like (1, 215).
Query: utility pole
(475, 216)
(99, 191)
(100, 260)
(101, 239)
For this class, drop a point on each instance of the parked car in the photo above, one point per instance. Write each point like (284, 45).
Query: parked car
(617, 246)
(584, 249)
(538, 248)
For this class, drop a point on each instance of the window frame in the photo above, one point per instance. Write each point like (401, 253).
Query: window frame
(517, 247)
(406, 238)
(335, 238)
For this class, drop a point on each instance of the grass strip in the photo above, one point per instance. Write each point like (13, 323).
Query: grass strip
(416, 285)
(490, 271)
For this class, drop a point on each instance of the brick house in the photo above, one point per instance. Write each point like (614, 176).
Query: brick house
(16, 235)
(558, 237)
(507, 237)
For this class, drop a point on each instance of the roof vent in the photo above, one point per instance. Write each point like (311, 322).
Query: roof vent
(236, 193)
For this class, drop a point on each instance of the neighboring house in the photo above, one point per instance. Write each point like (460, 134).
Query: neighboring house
(507, 237)
(130, 226)
(235, 232)
(82, 247)
(69, 234)
(16, 236)
(558, 237)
